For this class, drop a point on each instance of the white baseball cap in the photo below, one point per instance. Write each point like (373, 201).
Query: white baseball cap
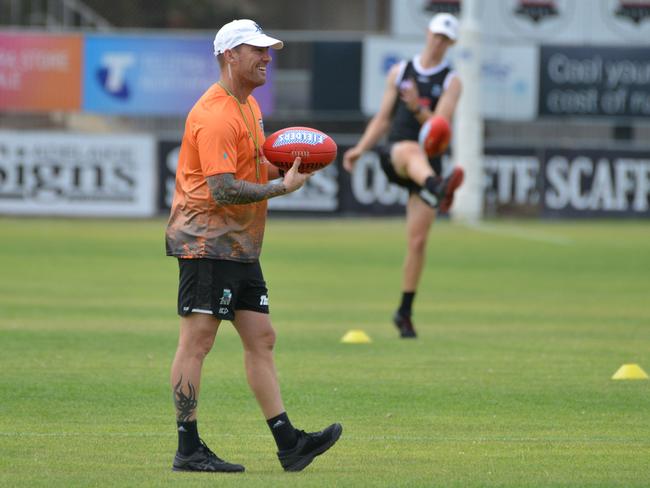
(445, 24)
(243, 31)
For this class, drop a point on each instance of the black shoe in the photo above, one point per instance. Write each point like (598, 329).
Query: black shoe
(203, 459)
(404, 325)
(308, 447)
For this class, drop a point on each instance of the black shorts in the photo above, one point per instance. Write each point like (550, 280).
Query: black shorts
(393, 177)
(220, 287)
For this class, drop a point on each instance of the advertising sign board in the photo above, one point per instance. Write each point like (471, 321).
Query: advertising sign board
(45, 173)
(40, 72)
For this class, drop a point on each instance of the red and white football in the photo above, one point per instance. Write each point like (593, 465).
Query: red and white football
(315, 148)
(434, 136)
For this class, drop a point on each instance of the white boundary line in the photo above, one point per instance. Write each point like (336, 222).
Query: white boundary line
(520, 233)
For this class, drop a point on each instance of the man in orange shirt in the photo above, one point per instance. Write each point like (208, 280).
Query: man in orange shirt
(215, 230)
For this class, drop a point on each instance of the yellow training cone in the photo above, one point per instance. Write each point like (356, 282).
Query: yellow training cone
(630, 372)
(356, 336)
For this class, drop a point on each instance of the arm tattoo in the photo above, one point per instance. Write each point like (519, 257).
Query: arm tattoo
(185, 404)
(226, 190)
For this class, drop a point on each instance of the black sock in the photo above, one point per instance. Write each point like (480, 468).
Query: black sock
(407, 303)
(283, 432)
(188, 437)
(434, 185)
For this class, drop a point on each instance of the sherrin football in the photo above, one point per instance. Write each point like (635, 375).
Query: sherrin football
(434, 136)
(315, 148)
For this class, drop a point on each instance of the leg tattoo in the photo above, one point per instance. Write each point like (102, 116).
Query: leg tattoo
(185, 404)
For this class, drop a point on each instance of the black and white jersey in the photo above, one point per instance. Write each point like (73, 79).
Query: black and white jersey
(431, 83)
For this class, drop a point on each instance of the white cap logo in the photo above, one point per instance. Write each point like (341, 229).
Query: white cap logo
(243, 31)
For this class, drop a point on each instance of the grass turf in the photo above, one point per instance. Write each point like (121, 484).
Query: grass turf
(521, 326)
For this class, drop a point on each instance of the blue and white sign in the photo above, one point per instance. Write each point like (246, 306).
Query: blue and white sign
(143, 76)
(508, 84)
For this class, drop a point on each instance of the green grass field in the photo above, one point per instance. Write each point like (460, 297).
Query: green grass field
(522, 325)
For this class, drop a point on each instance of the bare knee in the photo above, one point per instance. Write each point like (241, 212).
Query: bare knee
(402, 155)
(267, 339)
(263, 342)
(417, 244)
(196, 346)
(203, 347)
(409, 161)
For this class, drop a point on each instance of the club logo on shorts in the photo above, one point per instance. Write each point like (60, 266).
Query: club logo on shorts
(264, 300)
(226, 297)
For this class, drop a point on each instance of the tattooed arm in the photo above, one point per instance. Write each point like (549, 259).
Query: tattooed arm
(226, 190)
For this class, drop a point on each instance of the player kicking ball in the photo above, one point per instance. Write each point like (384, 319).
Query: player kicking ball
(424, 89)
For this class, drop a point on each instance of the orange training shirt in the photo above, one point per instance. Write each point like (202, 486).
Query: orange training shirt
(217, 140)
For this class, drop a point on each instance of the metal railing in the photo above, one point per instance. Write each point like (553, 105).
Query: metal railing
(51, 14)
